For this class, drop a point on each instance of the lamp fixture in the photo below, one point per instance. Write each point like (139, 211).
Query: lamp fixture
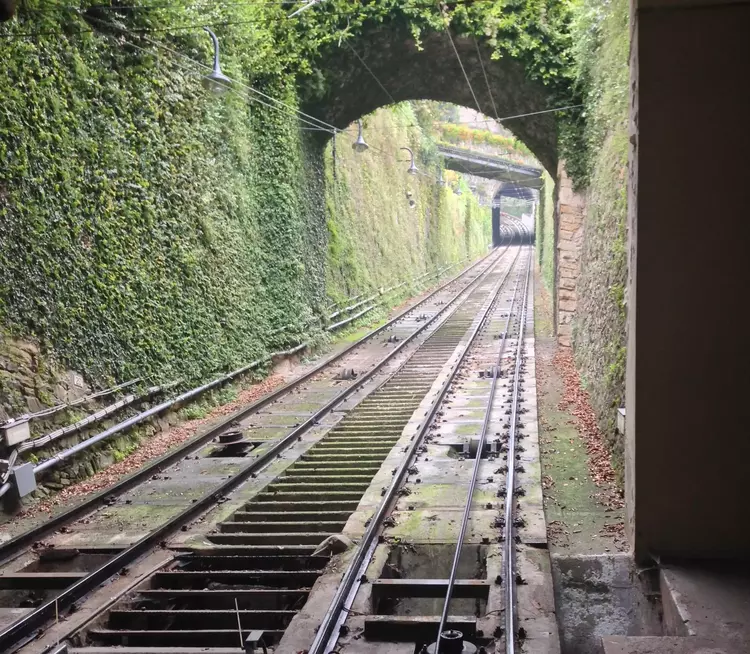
(359, 145)
(413, 170)
(216, 81)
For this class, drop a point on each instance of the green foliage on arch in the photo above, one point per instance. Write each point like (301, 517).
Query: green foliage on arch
(536, 33)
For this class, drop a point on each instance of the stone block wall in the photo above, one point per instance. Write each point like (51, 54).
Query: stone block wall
(571, 210)
(30, 380)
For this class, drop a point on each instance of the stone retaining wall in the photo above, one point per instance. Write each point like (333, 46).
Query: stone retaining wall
(30, 380)
(571, 210)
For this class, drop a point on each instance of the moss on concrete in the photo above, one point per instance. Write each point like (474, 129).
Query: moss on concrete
(576, 520)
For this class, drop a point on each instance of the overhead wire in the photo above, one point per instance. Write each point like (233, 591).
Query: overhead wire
(281, 106)
(320, 123)
(278, 106)
(460, 63)
(369, 70)
(312, 121)
(486, 80)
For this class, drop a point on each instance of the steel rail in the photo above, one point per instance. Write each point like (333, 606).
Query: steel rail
(509, 562)
(475, 472)
(19, 632)
(327, 633)
(24, 540)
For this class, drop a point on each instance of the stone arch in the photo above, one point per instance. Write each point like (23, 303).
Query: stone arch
(429, 72)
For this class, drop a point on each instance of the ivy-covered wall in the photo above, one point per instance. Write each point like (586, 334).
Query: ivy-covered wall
(385, 225)
(545, 232)
(148, 228)
(602, 36)
(151, 229)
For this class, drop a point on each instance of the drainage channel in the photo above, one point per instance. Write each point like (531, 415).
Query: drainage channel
(244, 589)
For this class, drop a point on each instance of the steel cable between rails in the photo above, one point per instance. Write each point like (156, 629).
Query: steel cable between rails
(475, 468)
(508, 527)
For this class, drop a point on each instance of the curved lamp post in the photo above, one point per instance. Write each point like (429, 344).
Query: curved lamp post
(413, 170)
(216, 81)
(359, 145)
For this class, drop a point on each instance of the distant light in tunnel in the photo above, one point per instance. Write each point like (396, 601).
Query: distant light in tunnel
(359, 145)
(216, 81)
(413, 170)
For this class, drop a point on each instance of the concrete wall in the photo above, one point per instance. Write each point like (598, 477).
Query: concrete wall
(571, 208)
(688, 451)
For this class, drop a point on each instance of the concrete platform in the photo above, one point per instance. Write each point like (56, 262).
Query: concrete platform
(660, 645)
(709, 601)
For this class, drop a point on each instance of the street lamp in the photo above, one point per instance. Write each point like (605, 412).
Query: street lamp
(359, 145)
(413, 170)
(216, 81)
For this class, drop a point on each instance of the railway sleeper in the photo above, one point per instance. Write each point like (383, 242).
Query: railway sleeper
(146, 619)
(316, 470)
(276, 507)
(325, 486)
(322, 460)
(203, 638)
(301, 477)
(252, 516)
(208, 562)
(281, 538)
(225, 598)
(359, 444)
(272, 528)
(288, 579)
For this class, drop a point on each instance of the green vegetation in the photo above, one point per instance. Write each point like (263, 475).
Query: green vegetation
(470, 136)
(148, 228)
(602, 47)
(545, 232)
(151, 229)
(385, 226)
(209, 401)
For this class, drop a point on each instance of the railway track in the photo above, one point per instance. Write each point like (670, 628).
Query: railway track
(248, 561)
(505, 367)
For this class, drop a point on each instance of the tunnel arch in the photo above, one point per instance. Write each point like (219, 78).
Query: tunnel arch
(428, 71)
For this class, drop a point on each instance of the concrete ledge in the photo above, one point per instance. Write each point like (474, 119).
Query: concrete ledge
(660, 645)
(710, 601)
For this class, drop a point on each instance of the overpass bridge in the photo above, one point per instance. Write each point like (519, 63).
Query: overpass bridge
(516, 181)
(471, 162)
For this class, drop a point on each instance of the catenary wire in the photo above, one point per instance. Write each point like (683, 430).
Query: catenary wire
(463, 70)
